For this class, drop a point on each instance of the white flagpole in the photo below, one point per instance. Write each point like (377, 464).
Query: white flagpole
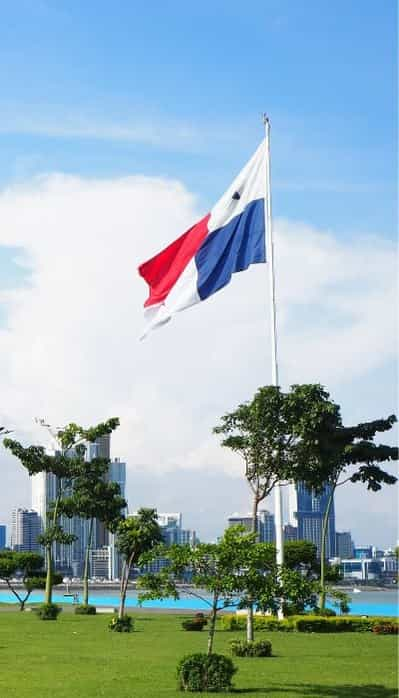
(273, 327)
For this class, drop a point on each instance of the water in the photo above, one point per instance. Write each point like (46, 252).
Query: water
(370, 603)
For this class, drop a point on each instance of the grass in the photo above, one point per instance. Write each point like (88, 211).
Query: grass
(78, 657)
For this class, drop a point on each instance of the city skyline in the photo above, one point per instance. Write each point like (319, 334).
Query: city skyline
(301, 504)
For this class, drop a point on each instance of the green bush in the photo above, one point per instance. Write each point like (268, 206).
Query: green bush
(194, 624)
(269, 623)
(351, 624)
(243, 648)
(48, 611)
(385, 628)
(121, 625)
(85, 610)
(201, 672)
(309, 623)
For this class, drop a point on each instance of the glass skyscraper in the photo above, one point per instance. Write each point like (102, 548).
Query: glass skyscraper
(69, 559)
(306, 512)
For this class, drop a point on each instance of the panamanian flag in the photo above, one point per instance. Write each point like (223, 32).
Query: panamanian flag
(227, 240)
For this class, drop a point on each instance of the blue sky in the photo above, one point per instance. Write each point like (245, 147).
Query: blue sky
(175, 91)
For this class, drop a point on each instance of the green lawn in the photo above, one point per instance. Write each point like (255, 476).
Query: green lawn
(77, 657)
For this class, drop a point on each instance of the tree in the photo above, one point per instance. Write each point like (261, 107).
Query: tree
(276, 434)
(93, 498)
(29, 567)
(217, 568)
(65, 464)
(235, 569)
(349, 447)
(135, 536)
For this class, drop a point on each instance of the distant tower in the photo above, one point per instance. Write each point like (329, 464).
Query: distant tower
(25, 529)
(2, 536)
(45, 487)
(266, 525)
(306, 511)
(344, 545)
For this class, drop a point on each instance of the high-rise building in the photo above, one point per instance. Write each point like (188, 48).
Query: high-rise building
(173, 534)
(101, 563)
(3, 531)
(25, 529)
(265, 524)
(306, 512)
(343, 545)
(45, 488)
(290, 532)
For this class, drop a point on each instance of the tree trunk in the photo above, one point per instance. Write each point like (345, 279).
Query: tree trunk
(124, 584)
(322, 596)
(13, 591)
(250, 609)
(86, 565)
(212, 625)
(49, 575)
(49, 558)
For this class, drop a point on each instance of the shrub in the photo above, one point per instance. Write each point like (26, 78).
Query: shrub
(243, 648)
(309, 623)
(351, 624)
(48, 611)
(197, 623)
(202, 672)
(85, 610)
(121, 625)
(385, 628)
(269, 623)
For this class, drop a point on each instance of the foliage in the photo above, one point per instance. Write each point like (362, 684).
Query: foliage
(267, 623)
(300, 436)
(235, 571)
(243, 648)
(277, 433)
(85, 610)
(121, 625)
(48, 611)
(201, 672)
(197, 623)
(318, 624)
(93, 497)
(307, 623)
(279, 437)
(66, 464)
(28, 568)
(223, 569)
(339, 599)
(136, 536)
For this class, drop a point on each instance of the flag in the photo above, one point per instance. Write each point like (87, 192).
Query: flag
(227, 240)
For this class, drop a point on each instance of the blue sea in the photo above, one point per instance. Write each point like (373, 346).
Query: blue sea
(370, 603)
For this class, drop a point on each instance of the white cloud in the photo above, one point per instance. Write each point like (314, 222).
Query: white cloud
(71, 349)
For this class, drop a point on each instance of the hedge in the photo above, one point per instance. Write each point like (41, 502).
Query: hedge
(312, 624)
(243, 648)
(233, 622)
